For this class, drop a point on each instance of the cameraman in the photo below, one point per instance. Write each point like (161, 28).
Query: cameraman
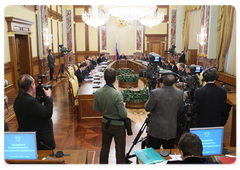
(164, 104)
(210, 101)
(32, 115)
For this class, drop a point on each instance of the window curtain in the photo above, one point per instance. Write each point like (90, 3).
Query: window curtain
(230, 58)
(186, 23)
(225, 24)
(195, 28)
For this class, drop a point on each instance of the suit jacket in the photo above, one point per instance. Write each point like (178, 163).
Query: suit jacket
(210, 104)
(51, 61)
(182, 58)
(174, 68)
(87, 71)
(191, 160)
(99, 60)
(79, 75)
(164, 104)
(33, 116)
(122, 57)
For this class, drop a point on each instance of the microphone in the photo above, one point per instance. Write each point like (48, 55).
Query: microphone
(41, 143)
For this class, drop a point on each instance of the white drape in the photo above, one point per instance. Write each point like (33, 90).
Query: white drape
(195, 28)
(230, 57)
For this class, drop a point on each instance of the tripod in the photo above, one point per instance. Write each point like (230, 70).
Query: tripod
(61, 70)
(136, 140)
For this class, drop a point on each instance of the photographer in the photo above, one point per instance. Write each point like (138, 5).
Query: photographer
(164, 104)
(210, 101)
(32, 115)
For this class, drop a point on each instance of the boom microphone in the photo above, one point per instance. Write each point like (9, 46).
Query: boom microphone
(41, 143)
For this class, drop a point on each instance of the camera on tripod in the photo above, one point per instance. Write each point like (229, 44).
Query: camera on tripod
(171, 50)
(152, 72)
(39, 90)
(62, 50)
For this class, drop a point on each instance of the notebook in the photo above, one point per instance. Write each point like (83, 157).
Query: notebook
(149, 156)
(20, 145)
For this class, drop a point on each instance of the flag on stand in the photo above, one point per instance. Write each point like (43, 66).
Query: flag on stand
(116, 54)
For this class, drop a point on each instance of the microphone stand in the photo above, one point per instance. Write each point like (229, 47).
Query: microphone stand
(41, 143)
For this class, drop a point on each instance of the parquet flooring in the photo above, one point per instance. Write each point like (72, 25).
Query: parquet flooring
(85, 135)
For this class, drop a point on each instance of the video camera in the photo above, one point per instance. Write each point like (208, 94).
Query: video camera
(39, 90)
(62, 50)
(4, 83)
(171, 50)
(151, 73)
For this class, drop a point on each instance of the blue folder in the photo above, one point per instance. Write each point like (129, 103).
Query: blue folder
(149, 156)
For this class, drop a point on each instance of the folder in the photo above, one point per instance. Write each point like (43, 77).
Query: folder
(225, 160)
(149, 156)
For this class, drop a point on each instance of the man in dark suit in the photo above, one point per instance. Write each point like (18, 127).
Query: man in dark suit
(32, 115)
(181, 70)
(164, 108)
(182, 57)
(51, 64)
(99, 60)
(210, 101)
(143, 57)
(122, 57)
(79, 72)
(190, 147)
(88, 68)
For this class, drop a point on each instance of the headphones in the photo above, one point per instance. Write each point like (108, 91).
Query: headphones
(205, 77)
(168, 73)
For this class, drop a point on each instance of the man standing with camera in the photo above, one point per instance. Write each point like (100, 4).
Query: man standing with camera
(164, 104)
(210, 101)
(32, 115)
(51, 64)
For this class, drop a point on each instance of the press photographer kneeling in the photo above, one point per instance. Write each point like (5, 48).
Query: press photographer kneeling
(31, 114)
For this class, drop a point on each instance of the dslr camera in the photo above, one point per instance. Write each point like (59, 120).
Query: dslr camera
(39, 90)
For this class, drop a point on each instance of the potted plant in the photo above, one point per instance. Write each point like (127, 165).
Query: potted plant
(128, 80)
(135, 98)
(125, 71)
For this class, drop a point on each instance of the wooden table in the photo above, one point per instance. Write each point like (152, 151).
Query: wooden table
(76, 157)
(176, 151)
(86, 96)
(231, 99)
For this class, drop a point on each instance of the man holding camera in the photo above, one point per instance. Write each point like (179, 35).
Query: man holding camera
(164, 104)
(210, 101)
(32, 115)
(51, 64)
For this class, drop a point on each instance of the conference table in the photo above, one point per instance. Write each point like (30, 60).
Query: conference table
(75, 157)
(176, 152)
(86, 94)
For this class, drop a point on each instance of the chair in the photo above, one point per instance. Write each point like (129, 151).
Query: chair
(71, 72)
(68, 77)
(200, 79)
(76, 82)
(74, 89)
(75, 68)
(33, 162)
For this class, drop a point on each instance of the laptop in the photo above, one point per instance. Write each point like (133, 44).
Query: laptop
(212, 139)
(20, 145)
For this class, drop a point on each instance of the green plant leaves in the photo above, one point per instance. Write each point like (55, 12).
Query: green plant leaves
(136, 97)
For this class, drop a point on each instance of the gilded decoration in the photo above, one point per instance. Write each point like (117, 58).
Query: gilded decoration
(68, 6)
(174, 6)
(11, 34)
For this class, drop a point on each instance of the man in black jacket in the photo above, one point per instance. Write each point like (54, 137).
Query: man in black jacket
(210, 101)
(51, 64)
(79, 73)
(182, 57)
(32, 115)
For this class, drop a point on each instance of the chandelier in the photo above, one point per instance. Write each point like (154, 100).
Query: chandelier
(152, 19)
(96, 18)
(202, 37)
(129, 13)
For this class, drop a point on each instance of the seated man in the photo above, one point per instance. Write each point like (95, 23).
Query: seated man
(79, 72)
(88, 69)
(122, 57)
(190, 147)
(181, 71)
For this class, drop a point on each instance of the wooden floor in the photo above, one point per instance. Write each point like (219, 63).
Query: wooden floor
(70, 134)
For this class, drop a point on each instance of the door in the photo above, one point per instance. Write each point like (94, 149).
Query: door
(23, 58)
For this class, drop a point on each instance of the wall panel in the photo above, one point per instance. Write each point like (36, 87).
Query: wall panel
(55, 36)
(93, 38)
(80, 36)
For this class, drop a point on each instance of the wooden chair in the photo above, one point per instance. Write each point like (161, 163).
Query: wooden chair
(33, 162)
(71, 72)
(74, 89)
(68, 77)
(75, 68)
